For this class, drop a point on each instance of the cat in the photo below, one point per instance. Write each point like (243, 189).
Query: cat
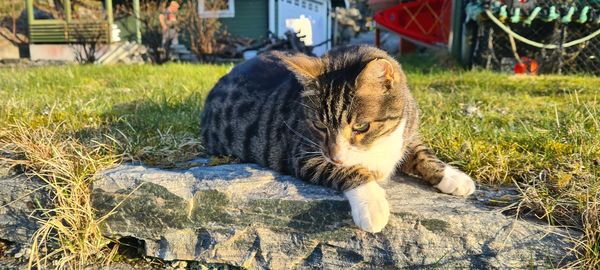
(346, 121)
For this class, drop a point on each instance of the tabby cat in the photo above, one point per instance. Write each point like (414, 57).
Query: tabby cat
(346, 121)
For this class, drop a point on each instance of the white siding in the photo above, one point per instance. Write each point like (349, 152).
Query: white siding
(315, 10)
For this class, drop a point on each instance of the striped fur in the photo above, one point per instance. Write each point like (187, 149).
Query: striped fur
(305, 117)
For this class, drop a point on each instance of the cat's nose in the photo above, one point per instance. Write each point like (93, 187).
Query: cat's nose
(333, 154)
(336, 160)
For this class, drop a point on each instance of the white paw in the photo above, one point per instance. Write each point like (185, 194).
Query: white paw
(456, 183)
(370, 209)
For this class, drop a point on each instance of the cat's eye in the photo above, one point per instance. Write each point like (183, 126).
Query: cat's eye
(361, 128)
(319, 125)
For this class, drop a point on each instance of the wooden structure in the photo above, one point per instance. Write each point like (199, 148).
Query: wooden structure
(70, 30)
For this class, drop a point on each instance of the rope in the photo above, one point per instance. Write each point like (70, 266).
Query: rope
(513, 46)
(534, 43)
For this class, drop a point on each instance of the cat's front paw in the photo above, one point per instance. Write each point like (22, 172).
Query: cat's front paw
(370, 209)
(456, 183)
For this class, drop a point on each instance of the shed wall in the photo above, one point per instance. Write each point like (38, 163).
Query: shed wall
(251, 19)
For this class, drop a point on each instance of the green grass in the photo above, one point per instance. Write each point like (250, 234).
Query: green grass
(147, 112)
(540, 133)
(522, 127)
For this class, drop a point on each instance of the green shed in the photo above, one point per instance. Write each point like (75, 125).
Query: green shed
(251, 19)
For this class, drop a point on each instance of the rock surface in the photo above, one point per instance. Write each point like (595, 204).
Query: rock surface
(19, 197)
(248, 216)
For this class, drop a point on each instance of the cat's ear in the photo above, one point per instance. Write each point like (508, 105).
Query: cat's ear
(379, 72)
(305, 67)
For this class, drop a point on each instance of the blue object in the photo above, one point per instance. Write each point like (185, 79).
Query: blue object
(532, 16)
(495, 5)
(567, 18)
(503, 14)
(583, 17)
(473, 10)
(553, 15)
(516, 17)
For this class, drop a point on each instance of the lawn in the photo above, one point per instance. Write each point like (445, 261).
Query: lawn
(541, 134)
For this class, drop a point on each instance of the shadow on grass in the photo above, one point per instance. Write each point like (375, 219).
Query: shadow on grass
(158, 132)
(430, 62)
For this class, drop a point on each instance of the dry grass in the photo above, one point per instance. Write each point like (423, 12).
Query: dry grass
(581, 214)
(166, 150)
(69, 236)
(587, 247)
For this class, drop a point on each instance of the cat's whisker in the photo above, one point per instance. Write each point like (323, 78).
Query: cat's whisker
(307, 147)
(300, 135)
(305, 106)
(311, 98)
(308, 154)
(310, 146)
(304, 152)
(305, 139)
(313, 152)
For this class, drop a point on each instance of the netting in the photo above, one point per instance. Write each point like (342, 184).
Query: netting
(556, 24)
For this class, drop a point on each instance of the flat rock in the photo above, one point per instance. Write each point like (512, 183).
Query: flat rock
(247, 216)
(19, 197)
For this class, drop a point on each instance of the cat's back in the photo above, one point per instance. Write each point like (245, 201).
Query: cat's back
(257, 76)
(244, 114)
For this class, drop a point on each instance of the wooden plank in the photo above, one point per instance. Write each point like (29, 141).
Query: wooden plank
(40, 29)
(67, 4)
(51, 41)
(48, 27)
(47, 33)
(50, 38)
(30, 18)
(48, 30)
(49, 22)
(79, 28)
(90, 31)
(60, 31)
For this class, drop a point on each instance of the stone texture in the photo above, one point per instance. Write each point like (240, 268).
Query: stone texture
(19, 197)
(244, 215)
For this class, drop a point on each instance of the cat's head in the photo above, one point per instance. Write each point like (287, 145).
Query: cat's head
(355, 100)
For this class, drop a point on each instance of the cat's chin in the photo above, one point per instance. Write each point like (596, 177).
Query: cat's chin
(383, 155)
